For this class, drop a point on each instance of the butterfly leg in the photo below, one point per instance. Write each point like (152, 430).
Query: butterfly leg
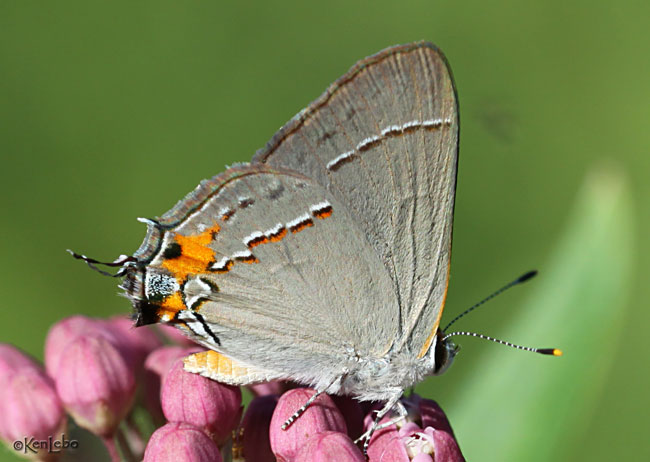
(401, 414)
(304, 407)
(301, 411)
(392, 403)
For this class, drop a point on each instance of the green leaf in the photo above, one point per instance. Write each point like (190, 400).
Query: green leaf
(523, 406)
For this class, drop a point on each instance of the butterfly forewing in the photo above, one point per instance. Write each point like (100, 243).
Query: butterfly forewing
(383, 141)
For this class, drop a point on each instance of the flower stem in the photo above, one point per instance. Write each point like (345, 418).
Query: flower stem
(134, 437)
(127, 451)
(113, 452)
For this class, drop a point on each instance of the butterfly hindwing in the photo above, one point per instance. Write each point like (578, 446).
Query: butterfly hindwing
(269, 268)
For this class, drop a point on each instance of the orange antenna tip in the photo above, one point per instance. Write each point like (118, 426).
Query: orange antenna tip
(549, 351)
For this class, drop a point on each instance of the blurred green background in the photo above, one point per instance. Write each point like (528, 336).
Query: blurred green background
(111, 111)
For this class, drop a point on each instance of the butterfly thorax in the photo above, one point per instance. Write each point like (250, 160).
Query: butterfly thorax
(378, 378)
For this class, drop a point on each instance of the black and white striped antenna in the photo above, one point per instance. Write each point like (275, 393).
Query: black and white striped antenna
(523, 278)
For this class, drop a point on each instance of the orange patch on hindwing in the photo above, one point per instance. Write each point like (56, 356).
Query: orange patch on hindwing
(170, 306)
(186, 255)
(194, 254)
(215, 364)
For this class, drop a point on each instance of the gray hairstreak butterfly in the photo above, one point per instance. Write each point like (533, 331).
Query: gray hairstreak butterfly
(325, 260)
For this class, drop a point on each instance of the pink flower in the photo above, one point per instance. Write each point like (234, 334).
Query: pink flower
(161, 359)
(181, 442)
(94, 363)
(422, 458)
(211, 406)
(175, 335)
(95, 383)
(156, 366)
(12, 359)
(386, 444)
(406, 440)
(427, 413)
(138, 342)
(444, 445)
(68, 329)
(255, 429)
(275, 387)
(329, 446)
(29, 405)
(321, 416)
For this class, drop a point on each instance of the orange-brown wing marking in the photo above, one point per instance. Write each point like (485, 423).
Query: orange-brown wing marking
(223, 369)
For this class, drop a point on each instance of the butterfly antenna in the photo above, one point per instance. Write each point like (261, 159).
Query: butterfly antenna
(543, 351)
(523, 278)
(121, 260)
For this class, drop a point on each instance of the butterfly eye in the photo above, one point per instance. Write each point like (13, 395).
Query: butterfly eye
(444, 354)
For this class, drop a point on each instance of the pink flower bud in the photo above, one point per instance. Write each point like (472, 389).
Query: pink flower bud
(12, 359)
(175, 335)
(150, 398)
(181, 442)
(211, 406)
(161, 359)
(30, 407)
(138, 341)
(255, 429)
(275, 387)
(95, 383)
(68, 329)
(58, 337)
(156, 365)
(321, 416)
(329, 446)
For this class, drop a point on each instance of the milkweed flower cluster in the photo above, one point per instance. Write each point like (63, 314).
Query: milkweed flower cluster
(100, 372)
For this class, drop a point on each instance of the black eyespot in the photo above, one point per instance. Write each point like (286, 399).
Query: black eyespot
(173, 251)
(156, 297)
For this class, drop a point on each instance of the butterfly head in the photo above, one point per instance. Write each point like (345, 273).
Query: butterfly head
(444, 351)
(133, 270)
